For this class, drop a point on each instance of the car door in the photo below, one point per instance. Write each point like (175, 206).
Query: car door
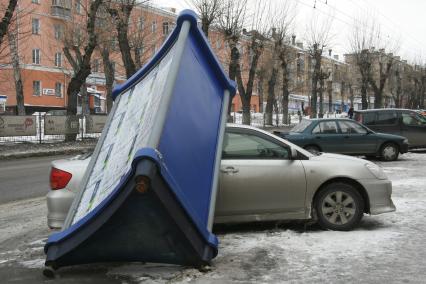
(413, 128)
(328, 137)
(387, 122)
(258, 176)
(357, 139)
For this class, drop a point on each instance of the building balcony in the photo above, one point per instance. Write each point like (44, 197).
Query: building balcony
(61, 9)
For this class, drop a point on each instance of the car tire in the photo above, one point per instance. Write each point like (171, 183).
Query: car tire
(313, 149)
(389, 152)
(339, 207)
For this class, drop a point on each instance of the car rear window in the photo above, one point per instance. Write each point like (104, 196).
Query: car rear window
(366, 118)
(301, 126)
(387, 118)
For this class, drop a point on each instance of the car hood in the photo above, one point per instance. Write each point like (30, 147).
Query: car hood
(388, 136)
(330, 156)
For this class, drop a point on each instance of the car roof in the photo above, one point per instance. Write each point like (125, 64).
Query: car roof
(383, 109)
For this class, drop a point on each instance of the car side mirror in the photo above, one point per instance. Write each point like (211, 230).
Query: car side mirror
(294, 154)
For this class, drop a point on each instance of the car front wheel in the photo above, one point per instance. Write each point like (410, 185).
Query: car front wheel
(389, 152)
(339, 207)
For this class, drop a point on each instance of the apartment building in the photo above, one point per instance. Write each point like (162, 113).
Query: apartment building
(43, 27)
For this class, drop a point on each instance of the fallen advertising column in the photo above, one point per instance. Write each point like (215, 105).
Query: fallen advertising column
(149, 191)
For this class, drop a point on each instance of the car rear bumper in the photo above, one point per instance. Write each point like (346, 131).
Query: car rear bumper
(379, 194)
(58, 204)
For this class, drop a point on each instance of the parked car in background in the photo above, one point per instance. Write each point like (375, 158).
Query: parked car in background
(266, 178)
(404, 122)
(345, 136)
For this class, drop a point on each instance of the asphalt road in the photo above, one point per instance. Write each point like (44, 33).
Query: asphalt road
(25, 178)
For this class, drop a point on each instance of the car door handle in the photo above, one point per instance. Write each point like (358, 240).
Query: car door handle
(346, 136)
(318, 137)
(229, 170)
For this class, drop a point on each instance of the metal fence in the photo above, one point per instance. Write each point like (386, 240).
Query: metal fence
(43, 135)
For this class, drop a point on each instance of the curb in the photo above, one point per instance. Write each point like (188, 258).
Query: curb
(49, 152)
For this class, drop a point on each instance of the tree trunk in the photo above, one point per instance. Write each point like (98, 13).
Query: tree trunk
(342, 94)
(260, 84)
(286, 93)
(364, 101)
(205, 25)
(122, 26)
(321, 97)
(7, 18)
(109, 77)
(315, 78)
(85, 104)
(330, 96)
(19, 87)
(234, 58)
(271, 97)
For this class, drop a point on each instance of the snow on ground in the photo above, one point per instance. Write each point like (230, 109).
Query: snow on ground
(385, 248)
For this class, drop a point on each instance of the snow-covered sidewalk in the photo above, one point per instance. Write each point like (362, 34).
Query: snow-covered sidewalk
(388, 248)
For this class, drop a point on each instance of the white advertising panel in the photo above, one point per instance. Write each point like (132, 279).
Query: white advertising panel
(95, 123)
(128, 130)
(61, 124)
(17, 125)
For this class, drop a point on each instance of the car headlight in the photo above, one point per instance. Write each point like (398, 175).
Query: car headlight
(376, 171)
(405, 141)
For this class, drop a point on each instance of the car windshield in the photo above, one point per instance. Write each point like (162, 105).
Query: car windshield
(301, 126)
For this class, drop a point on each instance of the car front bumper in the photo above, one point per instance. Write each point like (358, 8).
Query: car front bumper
(58, 204)
(404, 148)
(379, 194)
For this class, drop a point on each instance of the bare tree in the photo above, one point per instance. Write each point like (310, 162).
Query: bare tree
(19, 86)
(7, 18)
(120, 12)
(78, 52)
(282, 23)
(368, 49)
(231, 24)
(209, 11)
(318, 37)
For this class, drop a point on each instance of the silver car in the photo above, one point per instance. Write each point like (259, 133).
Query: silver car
(264, 177)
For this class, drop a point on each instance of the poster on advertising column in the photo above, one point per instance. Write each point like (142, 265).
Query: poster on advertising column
(149, 191)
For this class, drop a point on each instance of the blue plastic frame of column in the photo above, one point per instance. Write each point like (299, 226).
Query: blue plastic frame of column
(182, 173)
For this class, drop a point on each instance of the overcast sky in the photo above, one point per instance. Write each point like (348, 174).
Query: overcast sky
(400, 20)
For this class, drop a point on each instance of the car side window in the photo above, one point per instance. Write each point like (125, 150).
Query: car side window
(411, 119)
(325, 127)
(249, 146)
(369, 118)
(349, 127)
(387, 118)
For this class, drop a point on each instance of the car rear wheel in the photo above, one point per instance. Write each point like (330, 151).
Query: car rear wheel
(389, 152)
(313, 149)
(339, 207)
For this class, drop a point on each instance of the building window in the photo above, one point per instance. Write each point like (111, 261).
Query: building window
(58, 59)
(36, 56)
(58, 89)
(59, 31)
(95, 65)
(77, 5)
(154, 26)
(165, 28)
(141, 23)
(36, 88)
(35, 1)
(36, 26)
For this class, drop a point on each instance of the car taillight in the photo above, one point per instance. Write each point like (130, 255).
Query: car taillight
(59, 179)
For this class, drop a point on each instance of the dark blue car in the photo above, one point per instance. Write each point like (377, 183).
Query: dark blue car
(345, 136)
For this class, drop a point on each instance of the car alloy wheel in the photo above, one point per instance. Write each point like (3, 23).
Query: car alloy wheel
(339, 206)
(389, 152)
